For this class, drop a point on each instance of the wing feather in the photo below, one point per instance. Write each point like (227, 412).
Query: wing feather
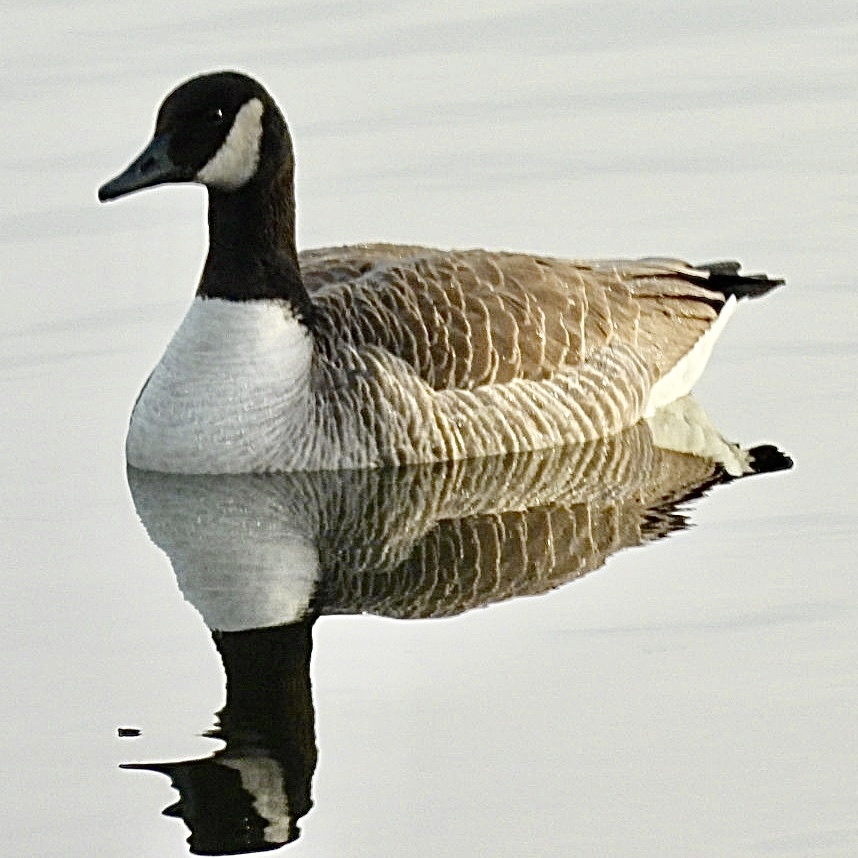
(463, 319)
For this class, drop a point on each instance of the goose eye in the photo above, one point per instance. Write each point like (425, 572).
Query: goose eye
(214, 116)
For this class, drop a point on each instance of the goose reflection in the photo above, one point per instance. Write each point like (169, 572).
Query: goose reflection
(262, 557)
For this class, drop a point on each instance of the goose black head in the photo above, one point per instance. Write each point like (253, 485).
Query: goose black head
(222, 130)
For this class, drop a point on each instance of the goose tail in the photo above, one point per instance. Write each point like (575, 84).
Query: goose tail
(724, 277)
(684, 427)
(767, 459)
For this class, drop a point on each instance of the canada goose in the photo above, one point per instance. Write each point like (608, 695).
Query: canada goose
(385, 354)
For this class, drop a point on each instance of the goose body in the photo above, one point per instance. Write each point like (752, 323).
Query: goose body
(385, 354)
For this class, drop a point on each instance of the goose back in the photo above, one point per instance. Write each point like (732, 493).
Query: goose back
(463, 319)
(425, 354)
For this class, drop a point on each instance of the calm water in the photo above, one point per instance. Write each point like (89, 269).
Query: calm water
(696, 696)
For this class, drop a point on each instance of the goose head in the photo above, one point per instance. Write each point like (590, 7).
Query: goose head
(224, 131)
(221, 130)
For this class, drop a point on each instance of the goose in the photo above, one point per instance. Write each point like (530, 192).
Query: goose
(380, 354)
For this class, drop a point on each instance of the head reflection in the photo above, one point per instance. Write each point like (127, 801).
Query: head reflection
(250, 795)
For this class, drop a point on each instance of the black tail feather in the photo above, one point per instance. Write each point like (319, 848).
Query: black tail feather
(724, 277)
(766, 458)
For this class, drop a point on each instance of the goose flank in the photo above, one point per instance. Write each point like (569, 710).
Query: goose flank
(382, 354)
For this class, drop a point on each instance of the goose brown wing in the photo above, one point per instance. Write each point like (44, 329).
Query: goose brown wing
(463, 319)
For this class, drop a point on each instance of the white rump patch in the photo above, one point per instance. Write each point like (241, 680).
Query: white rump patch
(679, 380)
(234, 164)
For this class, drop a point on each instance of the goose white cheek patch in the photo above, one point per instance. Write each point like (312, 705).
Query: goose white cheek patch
(236, 161)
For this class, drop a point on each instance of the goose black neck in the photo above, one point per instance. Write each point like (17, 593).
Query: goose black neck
(252, 254)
